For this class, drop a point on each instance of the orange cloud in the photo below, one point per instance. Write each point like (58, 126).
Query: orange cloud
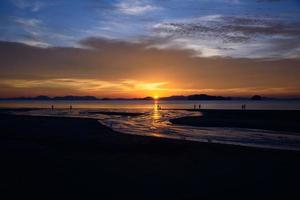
(121, 69)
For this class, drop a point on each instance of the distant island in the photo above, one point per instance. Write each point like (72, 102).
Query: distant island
(170, 98)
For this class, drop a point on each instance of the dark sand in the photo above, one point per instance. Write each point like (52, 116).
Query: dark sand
(276, 120)
(51, 157)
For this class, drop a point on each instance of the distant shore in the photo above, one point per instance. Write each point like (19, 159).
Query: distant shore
(82, 158)
(193, 97)
(275, 120)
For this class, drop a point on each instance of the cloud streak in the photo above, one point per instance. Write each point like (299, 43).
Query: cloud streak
(34, 31)
(134, 7)
(118, 68)
(115, 88)
(231, 36)
(86, 86)
(32, 5)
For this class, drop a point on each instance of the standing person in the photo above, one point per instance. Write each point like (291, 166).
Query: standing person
(199, 106)
(194, 106)
(52, 107)
(71, 107)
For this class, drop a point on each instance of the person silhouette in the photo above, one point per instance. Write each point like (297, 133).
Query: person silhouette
(199, 106)
(52, 107)
(194, 106)
(71, 107)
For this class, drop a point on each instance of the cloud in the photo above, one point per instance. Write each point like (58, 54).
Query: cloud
(36, 32)
(33, 32)
(32, 5)
(85, 86)
(118, 68)
(202, 28)
(231, 36)
(29, 23)
(267, 1)
(115, 88)
(135, 7)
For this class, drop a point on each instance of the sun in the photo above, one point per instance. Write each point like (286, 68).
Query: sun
(155, 97)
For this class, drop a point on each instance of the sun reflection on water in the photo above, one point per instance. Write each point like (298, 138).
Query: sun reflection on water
(156, 114)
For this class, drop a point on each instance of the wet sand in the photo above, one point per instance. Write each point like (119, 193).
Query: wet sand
(275, 120)
(129, 114)
(69, 157)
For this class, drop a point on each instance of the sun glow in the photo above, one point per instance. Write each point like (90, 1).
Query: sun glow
(155, 97)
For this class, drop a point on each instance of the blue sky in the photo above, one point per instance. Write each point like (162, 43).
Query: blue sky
(226, 28)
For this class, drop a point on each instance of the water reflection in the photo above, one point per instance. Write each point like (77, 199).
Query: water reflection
(156, 114)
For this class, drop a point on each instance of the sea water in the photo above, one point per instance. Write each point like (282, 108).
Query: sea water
(144, 104)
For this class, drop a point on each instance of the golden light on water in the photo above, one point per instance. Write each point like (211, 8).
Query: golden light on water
(155, 114)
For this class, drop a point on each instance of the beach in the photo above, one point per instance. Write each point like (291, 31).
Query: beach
(276, 120)
(75, 157)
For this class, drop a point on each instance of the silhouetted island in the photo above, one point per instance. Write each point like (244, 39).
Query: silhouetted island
(180, 97)
(204, 97)
(256, 97)
(207, 97)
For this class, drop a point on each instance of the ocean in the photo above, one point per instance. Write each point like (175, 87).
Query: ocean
(144, 105)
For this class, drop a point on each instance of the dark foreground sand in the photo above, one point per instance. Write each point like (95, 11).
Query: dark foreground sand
(276, 120)
(51, 157)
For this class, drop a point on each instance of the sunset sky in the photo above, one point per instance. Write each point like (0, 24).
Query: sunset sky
(131, 48)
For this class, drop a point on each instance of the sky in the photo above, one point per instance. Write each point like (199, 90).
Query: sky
(137, 48)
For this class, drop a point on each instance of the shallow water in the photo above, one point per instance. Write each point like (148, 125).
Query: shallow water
(146, 105)
(154, 122)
